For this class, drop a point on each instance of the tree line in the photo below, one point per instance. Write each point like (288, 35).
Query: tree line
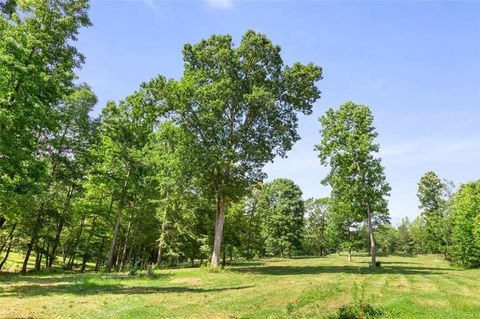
(173, 172)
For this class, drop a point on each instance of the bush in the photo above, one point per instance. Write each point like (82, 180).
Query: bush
(358, 309)
(133, 271)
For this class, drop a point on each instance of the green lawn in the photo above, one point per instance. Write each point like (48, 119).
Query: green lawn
(404, 287)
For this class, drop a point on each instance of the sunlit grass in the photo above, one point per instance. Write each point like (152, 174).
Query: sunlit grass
(404, 287)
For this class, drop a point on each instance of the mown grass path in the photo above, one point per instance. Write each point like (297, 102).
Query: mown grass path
(404, 287)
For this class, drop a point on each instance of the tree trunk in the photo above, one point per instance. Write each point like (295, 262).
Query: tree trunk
(161, 240)
(219, 221)
(86, 253)
(373, 250)
(249, 234)
(47, 258)
(6, 255)
(111, 255)
(38, 260)
(125, 246)
(2, 221)
(56, 242)
(9, 238)
(8, 244)
(32, 242)
(75, 245)
(350, 254)
(149, 270)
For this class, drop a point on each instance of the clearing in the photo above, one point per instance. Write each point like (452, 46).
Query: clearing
(404, 287)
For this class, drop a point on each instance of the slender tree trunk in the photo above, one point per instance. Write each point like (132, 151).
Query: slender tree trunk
(6, 255)
(350, 254)
(60, 223)
(32, 241)
(161, 240)
(373, 250)
(86, 253)
(125, 246)
(8, 244)
(219, 221)
(129, 257)
(2, 221)
(56, 242)
(47, 258)
(38, 259)
(249, 235)
(75, 245)
(118, 256)
(111, 255)
(9, 238)
(99, 256)
(97, 264)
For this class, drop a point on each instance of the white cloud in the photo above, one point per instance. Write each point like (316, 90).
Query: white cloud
(220, 4)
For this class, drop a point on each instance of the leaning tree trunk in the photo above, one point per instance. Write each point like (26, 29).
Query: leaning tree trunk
(6, 255)
(219, 221)
(56, 242)
(59, 229)
(373, 250)
(9, 238)
(9, 245)
(32, 241)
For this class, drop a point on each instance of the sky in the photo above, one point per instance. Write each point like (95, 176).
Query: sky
(416, 64)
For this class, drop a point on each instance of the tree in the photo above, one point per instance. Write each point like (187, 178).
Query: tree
(386, 239)
(239, 106)
(281, 209)
(357, 177)
(405, 240)
(126, 133)
(466, 225)
(65, 155)
(316, 211)
(36, 71)
(344, 227)
(430, 194)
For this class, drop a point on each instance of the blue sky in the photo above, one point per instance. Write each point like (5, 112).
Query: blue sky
(416, 64)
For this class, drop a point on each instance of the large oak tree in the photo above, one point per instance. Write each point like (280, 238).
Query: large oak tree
(239, 105)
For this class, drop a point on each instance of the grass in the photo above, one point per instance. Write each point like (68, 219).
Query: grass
(404, 287)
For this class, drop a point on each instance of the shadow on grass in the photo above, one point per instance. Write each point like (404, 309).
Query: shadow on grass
(390, 262)
(45, 278)
(87, 289)
(303, 270)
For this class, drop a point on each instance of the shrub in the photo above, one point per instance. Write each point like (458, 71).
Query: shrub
(133, 270)
(358, 309)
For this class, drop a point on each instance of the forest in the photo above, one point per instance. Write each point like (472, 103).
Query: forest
(172, 175)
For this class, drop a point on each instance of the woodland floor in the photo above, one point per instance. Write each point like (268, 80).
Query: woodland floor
(404, 287)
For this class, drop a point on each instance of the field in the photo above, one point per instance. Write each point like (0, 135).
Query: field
(404, 287)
